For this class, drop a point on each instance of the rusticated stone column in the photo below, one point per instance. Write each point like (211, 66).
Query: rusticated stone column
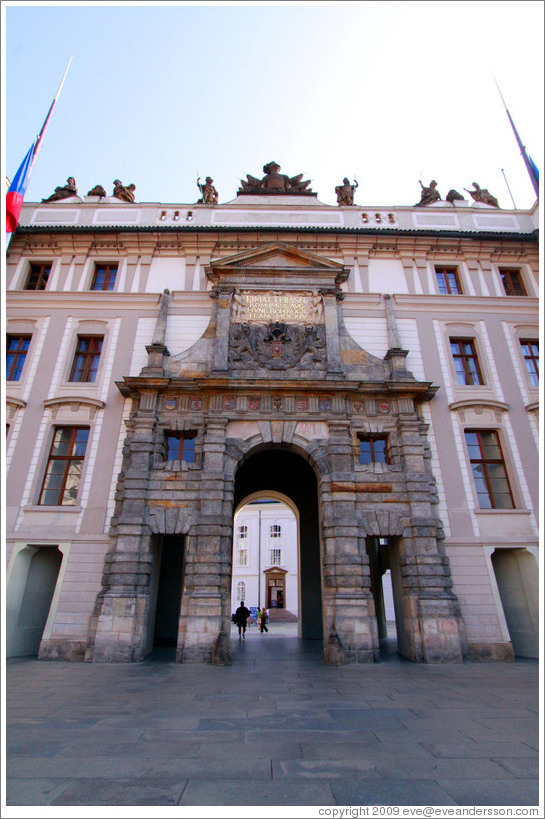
(204, 630)
(432, 628)
(350, 629)
(121, 629)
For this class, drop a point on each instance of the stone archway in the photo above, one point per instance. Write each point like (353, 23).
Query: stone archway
(285, 472)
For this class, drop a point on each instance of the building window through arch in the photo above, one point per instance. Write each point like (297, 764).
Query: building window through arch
(241, 591)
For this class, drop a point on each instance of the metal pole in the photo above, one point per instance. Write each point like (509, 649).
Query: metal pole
(509, 189)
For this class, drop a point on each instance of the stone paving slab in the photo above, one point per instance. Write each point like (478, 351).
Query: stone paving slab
(144, 791)
(393, 792)
(36, 791)
(248, 792)
(296, 733)
(491, 792)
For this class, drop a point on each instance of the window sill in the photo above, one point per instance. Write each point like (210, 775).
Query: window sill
(503, 511)
(44, 508)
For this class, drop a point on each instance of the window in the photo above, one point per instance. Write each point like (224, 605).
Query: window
(64, 466)
(241, 591)
(275, 556)
(448, 281)
(180, 446)
(38, 276)
(512, 282)
(242, 557)
(465, 361)
(489, 472)
(530, 351)
(86, 359)
(242, 531)
(373, 450)
(104, 278)
(16, 350)
(276, 530)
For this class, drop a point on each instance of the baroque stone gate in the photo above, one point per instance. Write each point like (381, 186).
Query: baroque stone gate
(276, 370)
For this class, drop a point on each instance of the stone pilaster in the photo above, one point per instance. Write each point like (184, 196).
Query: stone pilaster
(331, 318)
(204, 631)
(121, 630)
(432, 628)
(223, 320)
(350, 630)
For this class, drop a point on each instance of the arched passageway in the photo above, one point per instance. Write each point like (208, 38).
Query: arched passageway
(286, 472)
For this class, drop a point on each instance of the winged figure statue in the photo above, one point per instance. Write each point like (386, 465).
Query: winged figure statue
(274, 182)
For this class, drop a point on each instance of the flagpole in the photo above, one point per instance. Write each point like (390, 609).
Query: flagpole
(48, 117)
(17, 189)
(529, 167)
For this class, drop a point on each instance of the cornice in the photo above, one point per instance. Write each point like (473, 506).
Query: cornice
(469, 403)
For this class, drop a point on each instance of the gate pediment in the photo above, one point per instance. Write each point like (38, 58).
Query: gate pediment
(277, 264)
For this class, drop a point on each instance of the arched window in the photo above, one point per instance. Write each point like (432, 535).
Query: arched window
(241, 591)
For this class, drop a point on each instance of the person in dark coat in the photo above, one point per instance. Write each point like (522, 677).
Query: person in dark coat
(241, 618)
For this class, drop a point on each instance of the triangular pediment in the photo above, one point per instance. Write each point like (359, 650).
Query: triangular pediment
(277, 260)
(276, 254)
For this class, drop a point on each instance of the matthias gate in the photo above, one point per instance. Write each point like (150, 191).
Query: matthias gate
(276, 395)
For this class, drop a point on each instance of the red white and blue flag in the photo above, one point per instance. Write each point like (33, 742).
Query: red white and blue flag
(17, 189)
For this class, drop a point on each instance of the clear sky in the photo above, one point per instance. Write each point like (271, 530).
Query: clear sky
(392, 92)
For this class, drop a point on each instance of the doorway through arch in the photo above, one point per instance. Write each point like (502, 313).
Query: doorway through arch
(283, 475)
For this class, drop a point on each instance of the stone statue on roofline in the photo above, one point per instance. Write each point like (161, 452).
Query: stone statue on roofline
(482, 195)
(98, 190)
(429, 194)
(453, 196)
(209, 195)
(64, 191)
(124, 192)
(275, 183)
(345, 192)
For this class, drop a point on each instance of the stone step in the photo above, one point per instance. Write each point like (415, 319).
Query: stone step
(282, 616)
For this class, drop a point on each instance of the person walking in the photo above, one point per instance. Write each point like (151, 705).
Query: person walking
(258, 619)
(241, 618)
(263, 621)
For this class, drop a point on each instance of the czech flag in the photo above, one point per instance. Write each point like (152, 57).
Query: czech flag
(16, 193)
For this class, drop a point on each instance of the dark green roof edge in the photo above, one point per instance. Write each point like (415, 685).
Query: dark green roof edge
(445, 234)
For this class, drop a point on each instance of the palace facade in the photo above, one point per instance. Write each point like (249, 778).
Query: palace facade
(374, 368)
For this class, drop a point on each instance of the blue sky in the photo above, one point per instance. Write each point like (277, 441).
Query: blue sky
(392, 92)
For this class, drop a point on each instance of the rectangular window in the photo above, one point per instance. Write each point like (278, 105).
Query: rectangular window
(104, 278)
(466, 363)
(512, 282)
(38, 276)
(180, 446)
(488, 467)
(86, 359)
(64, 466)
(276, 556)
(448, 281)
(242, 557)
(16, 350)
(530, 351)
(374, 450)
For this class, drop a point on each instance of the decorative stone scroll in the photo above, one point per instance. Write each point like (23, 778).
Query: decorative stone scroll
(268, 307)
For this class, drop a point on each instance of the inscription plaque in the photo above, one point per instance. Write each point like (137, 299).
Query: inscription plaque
(277, 306)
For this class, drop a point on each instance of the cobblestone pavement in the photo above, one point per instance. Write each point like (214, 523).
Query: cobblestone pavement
(278, 727)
